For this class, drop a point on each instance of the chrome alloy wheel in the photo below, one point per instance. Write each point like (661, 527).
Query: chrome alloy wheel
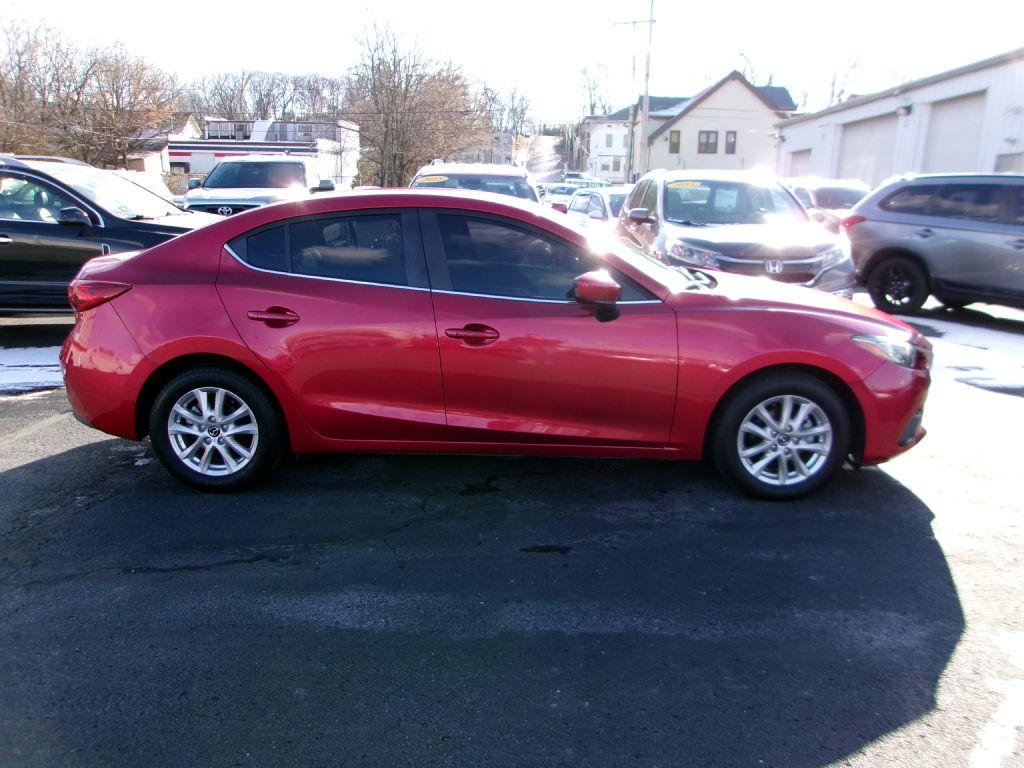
(784, 440)
(213, 431)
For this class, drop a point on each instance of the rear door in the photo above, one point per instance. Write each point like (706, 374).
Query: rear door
(39, 256)
(338, 307)
(525, 363)
(1013, 248)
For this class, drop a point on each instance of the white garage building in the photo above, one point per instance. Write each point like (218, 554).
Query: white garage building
(967, 119)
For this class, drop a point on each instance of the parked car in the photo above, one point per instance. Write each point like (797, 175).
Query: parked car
(734, 221)
(559, 195)
(242, 183)
(430, 321)
(828, 200)
(598, 207)
(508, 180)
(957, 236)
(56, 214)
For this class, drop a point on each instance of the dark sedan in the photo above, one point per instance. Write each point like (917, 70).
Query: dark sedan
(734, 222)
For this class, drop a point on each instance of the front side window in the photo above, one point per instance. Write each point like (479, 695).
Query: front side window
(365, 248)
(596, 206)
(636, 195)
(493, 258)
(1016, 213)
(257, 176)
(977, 202)
(730, 142)
(579, 203)
(673, 142)
(707, 142)
(26, 200)
(698, 202)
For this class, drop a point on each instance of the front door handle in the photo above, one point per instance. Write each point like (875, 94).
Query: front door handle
(925, 233)
(474, 334)
(6, 240)
(275, 317)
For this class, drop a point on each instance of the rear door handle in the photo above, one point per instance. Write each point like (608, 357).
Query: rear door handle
(275, 317)
(925, 233)
(474, 334)
(6, 240)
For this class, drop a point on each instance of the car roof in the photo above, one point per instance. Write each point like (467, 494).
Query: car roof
(748, 177)
(475, 169)
(267, 159)
(959, 176)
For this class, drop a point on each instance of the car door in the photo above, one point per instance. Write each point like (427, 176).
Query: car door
(1013, 247)
(38, 255)
(522, 361)
(338, 307)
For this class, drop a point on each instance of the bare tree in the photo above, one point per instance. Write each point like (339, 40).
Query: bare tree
(594, 102)
(838, 89)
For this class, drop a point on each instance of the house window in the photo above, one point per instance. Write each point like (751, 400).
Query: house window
(608, 139)
(625, 140)
(673, 142)
(617, 164)
(730, 142)
(707, 142)
(604, 166)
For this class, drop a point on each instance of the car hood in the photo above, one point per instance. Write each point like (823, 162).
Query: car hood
(775, 240)
(255, 196)
(176, 223)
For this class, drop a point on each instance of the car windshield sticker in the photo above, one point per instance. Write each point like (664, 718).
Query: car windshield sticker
(431, 179)
(682, 184)
(725, 199)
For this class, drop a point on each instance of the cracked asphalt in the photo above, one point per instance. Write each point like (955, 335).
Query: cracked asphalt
(467, 611)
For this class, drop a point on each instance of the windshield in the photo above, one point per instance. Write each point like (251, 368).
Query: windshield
(700, 203)
(120, 197)
(615, 203)
(837, 197)
(514, 186)
(271, 175)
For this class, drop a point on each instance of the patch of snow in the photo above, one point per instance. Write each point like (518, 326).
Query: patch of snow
(981, 357)
(29, 369)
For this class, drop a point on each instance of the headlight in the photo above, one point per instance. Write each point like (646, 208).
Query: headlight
(833, 256)
(895, 350)
(693, 256)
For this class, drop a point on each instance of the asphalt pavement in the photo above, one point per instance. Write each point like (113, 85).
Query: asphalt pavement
(470, 611)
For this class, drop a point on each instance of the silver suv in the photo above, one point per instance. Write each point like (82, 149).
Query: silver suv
(957, 236)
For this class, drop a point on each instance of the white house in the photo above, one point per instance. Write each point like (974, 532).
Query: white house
(729, 125)
(966, 119)
(604, 141)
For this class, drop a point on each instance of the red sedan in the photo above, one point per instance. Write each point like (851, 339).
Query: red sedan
(414, 320)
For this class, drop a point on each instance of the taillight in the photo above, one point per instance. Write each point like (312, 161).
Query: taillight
(86, 294)
(851, 221)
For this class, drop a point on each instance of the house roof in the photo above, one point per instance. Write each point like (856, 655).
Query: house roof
(658, 103)
(770, 95)
(855, 101)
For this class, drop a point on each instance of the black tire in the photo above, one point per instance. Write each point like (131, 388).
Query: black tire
(953, 304)
(269, 437)
(726, 437)
(898, 285)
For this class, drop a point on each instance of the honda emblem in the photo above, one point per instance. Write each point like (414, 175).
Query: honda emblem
(225, 210)
(773, 266)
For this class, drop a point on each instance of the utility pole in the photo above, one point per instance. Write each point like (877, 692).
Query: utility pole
(645, 107)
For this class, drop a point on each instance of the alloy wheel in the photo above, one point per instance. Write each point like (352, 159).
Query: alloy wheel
(213, 431)
(784, 440)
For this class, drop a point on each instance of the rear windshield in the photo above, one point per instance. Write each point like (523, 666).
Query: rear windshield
(514, 186)
(837, 197)
(258, 175)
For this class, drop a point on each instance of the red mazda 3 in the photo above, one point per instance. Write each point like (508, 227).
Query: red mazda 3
(420, 320)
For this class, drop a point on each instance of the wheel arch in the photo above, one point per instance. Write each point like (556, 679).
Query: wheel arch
(830, 379)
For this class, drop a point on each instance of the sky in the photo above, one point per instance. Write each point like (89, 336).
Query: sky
(540, 46)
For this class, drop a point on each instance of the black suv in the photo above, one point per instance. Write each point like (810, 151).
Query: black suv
(56, 214)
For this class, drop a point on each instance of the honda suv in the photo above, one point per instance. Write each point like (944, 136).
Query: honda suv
(957, 236)
(733, 221)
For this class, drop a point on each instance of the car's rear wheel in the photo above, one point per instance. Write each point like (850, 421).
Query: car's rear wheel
(214, 429)
(782, 436)
(898, 285)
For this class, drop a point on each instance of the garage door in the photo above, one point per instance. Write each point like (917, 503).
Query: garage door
(953, 140)
(867, 147)
(800, 163)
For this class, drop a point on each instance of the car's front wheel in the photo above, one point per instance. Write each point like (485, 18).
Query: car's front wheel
(214, 429)
(898, 285)
(782, 436)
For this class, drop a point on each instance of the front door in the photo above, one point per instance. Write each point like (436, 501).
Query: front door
(338, 308)
(523, 362)
(39, 256)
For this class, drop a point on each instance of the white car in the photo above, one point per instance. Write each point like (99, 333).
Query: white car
(482, 177)
(559, 195)
(240, 183)
(598, 207)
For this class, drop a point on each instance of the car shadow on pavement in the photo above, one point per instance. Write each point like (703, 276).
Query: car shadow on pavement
(970, 316)
(369, 610)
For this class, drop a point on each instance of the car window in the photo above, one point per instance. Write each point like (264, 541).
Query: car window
(615, 201)
(493, 258)
(915, 199)
(636, 195)
(116, 195)
(266, 249)
(651, 197)
(1016, 212)
(708, 202)
(977, 202)
(595, 205)
(579, 203)
(836, 198)
(366, 248)
(26, 200)
(803, 196)
(270, 175)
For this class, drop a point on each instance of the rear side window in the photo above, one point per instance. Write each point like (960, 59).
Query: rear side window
(367, 248)
(267, 249)
(914, 199)
(976, 202)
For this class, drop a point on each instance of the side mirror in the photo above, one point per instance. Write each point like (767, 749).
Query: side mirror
(596, 215)
(560, 207)
(596, 287)
(195, 183)
(640, 215)
(325, 185)
(75, 216)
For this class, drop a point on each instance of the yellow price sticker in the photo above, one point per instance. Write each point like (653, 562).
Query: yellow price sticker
(683, 184)
(431, 179)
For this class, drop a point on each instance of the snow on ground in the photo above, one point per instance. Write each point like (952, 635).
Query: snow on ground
(982, 357)
(28, 369)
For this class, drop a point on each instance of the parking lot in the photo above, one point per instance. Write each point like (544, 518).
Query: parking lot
(415, 610)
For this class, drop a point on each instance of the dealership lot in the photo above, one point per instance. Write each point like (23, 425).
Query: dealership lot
(368, 610)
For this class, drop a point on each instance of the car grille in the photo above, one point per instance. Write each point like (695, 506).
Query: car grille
(801, 271)
(217, 208)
